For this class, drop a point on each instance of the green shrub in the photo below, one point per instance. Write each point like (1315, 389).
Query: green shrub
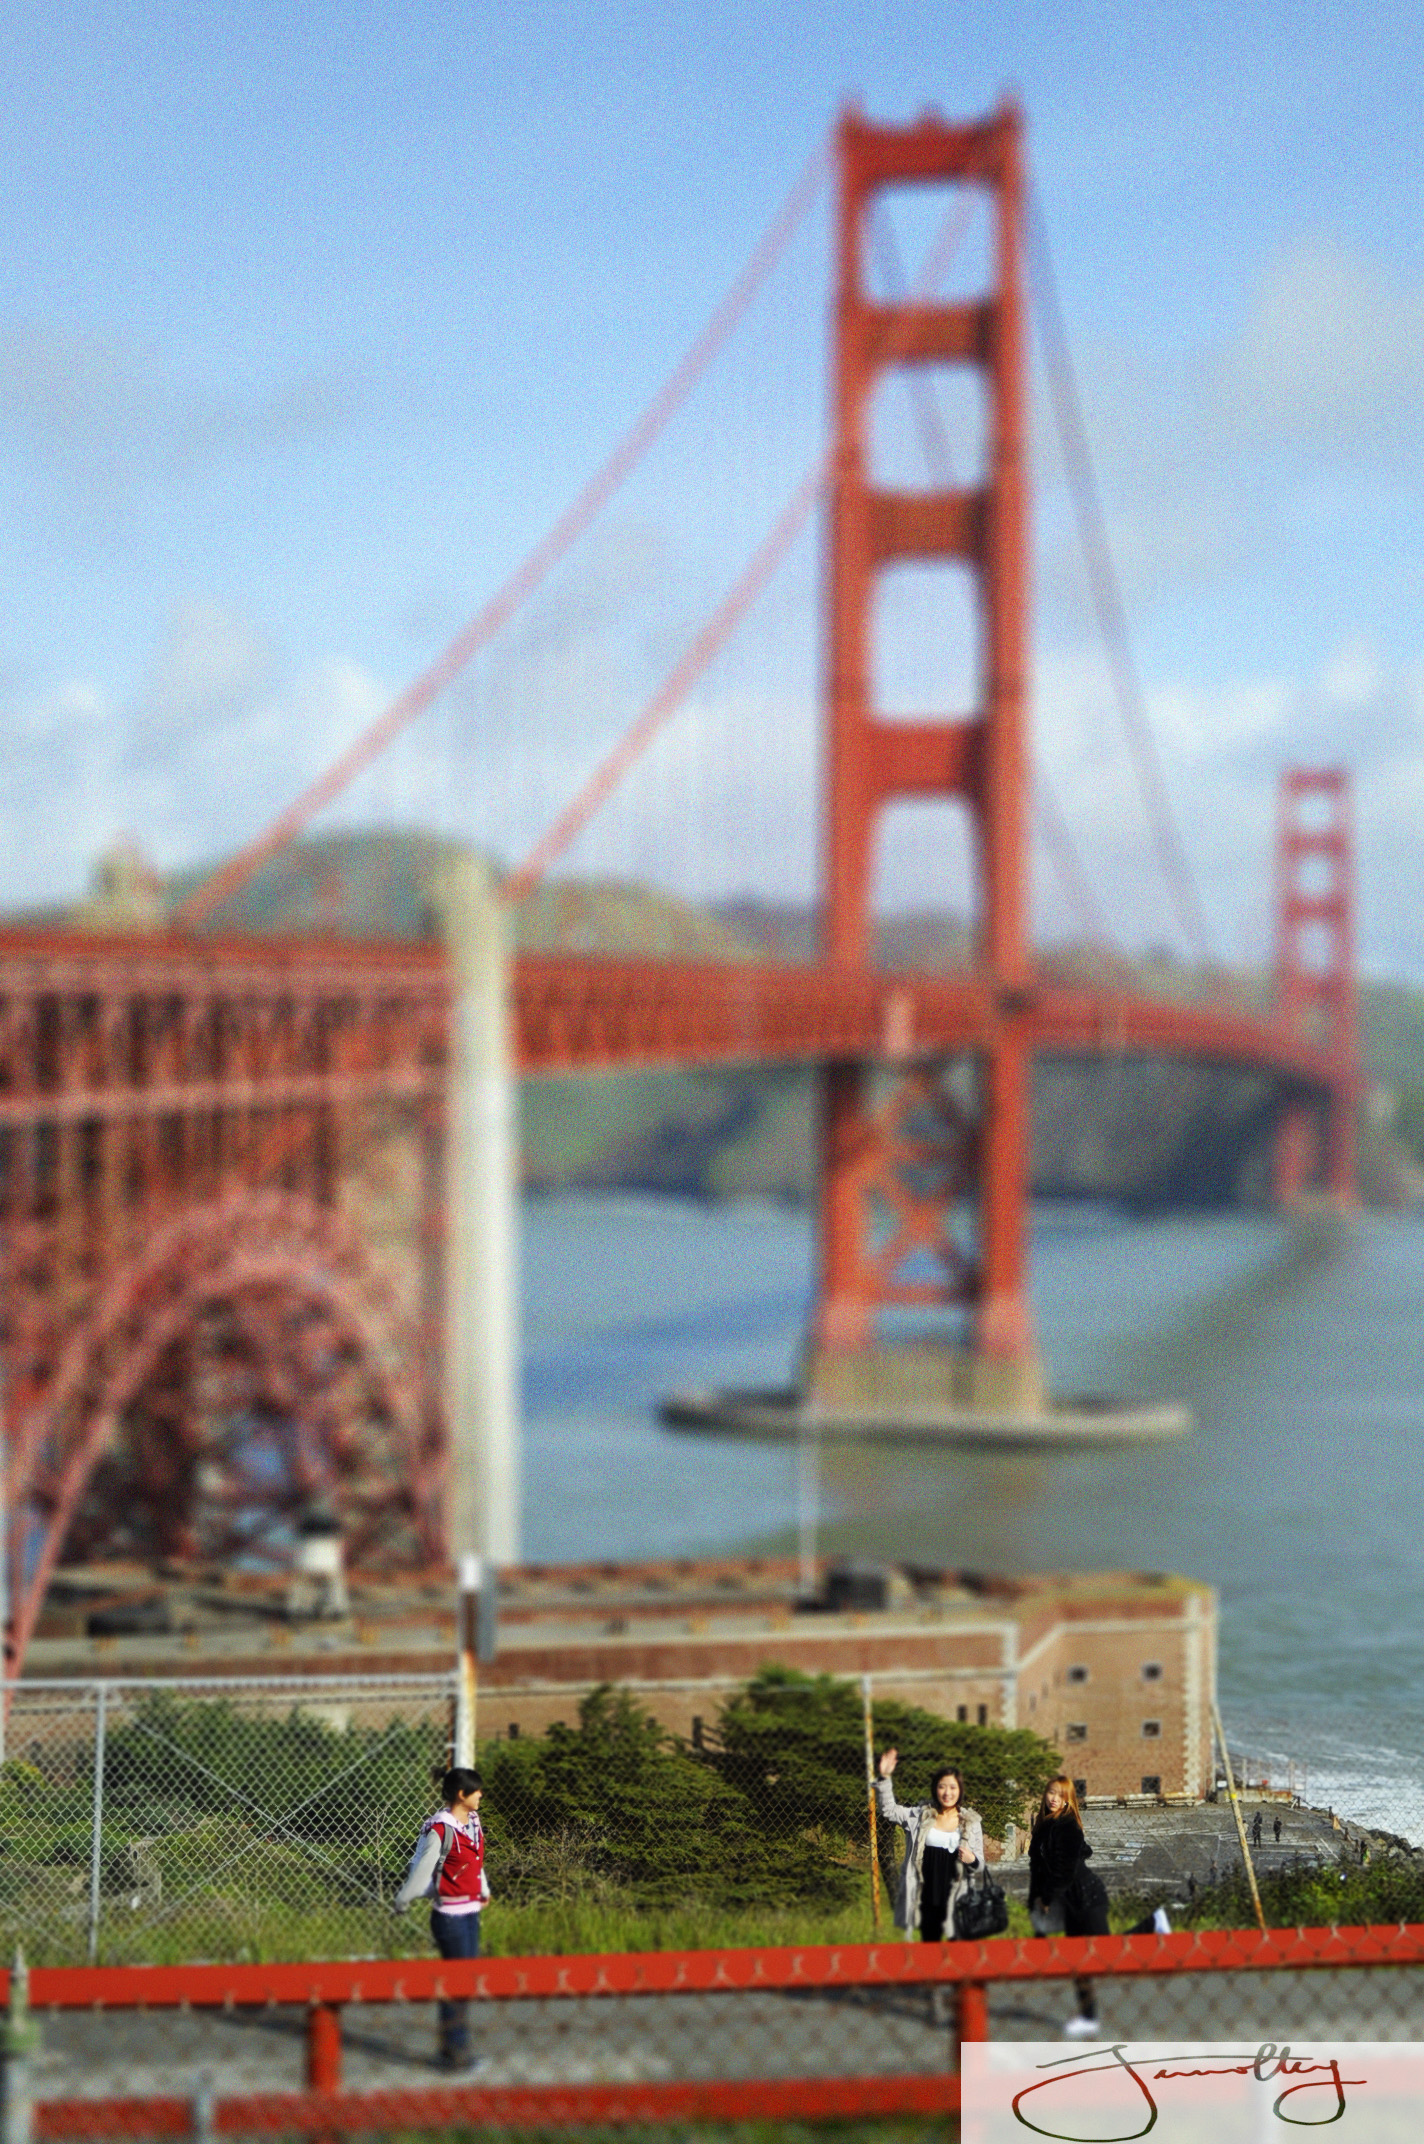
(641, 1811)
(1388, 1891)
(795, 1744)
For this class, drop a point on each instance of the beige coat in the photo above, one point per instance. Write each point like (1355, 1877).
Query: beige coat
(915, 1822)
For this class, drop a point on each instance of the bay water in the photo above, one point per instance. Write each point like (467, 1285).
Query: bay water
(1299, 1493)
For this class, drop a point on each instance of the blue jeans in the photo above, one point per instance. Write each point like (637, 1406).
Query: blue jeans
(455, 1935)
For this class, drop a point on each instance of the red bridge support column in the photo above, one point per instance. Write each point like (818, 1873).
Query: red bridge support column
(1316, 975)
(896, 1176)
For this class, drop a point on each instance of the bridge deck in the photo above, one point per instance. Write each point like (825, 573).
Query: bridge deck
(306, 1012)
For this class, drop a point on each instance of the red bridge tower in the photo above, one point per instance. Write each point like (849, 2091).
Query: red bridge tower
(1316, 976)
(896, 1171)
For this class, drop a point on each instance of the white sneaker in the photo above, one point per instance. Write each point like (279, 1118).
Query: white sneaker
(1160, 1921)
(1082, 2028)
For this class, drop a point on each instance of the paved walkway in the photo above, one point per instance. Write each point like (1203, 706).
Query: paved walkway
(1158, 1849)
(609, 2040)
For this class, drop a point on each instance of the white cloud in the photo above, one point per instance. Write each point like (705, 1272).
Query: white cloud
(71, 711)
(58, 755)
(206, 676)
(109, 415)
(224, 781)
(208, 751)
(1223, 750)
(1332, 355)
(1211, 465)
(1354, 676)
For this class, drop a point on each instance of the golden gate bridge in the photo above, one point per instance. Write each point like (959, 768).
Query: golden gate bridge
(226, 1159)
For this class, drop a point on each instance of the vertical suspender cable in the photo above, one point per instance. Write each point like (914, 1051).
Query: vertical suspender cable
(1107, 596)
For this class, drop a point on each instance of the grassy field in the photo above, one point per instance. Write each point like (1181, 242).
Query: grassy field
(232, 1928)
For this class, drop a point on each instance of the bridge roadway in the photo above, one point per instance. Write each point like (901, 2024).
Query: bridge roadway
(93, 1025)
(577, 1013)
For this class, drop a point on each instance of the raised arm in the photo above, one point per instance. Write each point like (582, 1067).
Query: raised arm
(893, 1812)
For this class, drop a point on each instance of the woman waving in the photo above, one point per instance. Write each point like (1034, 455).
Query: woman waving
(943, 1841)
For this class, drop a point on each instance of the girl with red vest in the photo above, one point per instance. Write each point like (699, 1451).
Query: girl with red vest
(448, 1867)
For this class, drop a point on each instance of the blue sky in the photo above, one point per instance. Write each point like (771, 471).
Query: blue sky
(312, 319)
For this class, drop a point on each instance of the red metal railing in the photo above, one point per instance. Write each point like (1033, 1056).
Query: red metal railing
(324, 1988)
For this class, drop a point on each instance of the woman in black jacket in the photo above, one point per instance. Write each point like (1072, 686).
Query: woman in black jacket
(1065, 1897)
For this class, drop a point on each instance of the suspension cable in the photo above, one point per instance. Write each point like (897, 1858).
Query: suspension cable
(1063, 853)
(521, 584)
(1106, 593)
(714, 635)
(674, 688)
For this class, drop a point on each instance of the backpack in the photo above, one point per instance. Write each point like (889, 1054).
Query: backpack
(432, 1889)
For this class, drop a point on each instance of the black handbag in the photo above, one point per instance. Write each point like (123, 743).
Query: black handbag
(980, 1910)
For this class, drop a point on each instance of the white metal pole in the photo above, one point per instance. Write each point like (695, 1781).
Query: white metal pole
(808, 1496)
(467, 1662)
(481, 1228)
(19, 2043)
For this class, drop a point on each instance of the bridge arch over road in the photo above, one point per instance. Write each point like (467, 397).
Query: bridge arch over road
(220, 1249)
(247, 1365)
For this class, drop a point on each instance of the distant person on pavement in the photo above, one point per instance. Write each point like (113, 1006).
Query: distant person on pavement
(1256, 1829)
(448, 1867)
(1276, 1828)
(944, 1840)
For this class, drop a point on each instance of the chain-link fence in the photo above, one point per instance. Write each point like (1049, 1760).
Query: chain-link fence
(246, 1819)
(152, 1822)
(267, 1819)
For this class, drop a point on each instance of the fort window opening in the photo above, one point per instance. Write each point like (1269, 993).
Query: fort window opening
(1151, 1729)
(1152, 1671)
(1152, 1783)
(1077, 1674)
(1077, 1732)
(983, 1715)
